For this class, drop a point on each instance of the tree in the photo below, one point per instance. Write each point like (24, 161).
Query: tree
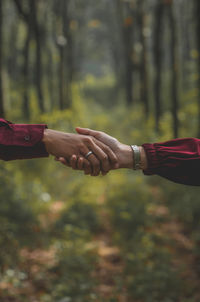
(126, 16)
(1, 61)
(174, 66)
(37, 30)
(144, 95)
(26, 16)
(198, 60)
(33, 30)
(157, 52)
(65, 46)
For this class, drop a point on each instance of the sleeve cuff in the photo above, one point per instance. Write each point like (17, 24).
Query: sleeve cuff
(152, 159)
(21, 141)
(25, 135)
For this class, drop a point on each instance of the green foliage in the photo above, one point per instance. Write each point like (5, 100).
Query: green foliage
(80, 215)
(150, 275)
(76, 259)
(127, 200)
(128, 209)
(16, 218)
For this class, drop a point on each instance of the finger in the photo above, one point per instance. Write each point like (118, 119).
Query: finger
(107, 150)
(80, 163)
(62, 160)
(96, 165)
(92, 158)
(101, 155)
(87, 168)
(87, 131)
(84, 164)
(73, 162)
(111, 155)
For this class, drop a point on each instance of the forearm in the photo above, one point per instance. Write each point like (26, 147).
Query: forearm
(177, 160)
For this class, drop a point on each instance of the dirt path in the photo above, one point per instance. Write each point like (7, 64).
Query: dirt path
(111, 263)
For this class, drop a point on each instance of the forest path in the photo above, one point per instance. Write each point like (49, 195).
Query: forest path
(110, 264)
(180, 246)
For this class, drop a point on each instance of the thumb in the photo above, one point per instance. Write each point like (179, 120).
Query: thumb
(86, 131)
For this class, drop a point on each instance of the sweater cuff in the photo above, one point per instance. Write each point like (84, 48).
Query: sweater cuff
(24, 135)
(152, 159)
(21, 141)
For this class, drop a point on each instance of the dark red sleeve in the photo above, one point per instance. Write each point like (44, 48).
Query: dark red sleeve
(177, 160)
(21, 141)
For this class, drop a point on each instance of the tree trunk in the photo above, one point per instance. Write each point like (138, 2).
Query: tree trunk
(174, 68)
(37, 34)
(158, 32)
(26, 109)
(2, 113)
(68, 54)
(61, 80)
(128, 44)
(126, 23)
(144, 96)
(50, 74)
(198, 60)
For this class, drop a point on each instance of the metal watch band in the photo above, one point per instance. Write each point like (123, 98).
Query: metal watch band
(136, 157)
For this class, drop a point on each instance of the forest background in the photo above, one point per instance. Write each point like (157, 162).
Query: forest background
(130, 68)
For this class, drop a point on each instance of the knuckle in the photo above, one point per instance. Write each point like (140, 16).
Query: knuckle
(88, 140)
(105, 157)
(106, 149)
(98, 135)
(96, 164)
(87, 166)
(114, 160)
(81, 145)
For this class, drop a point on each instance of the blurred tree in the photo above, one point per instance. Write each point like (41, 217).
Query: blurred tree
(64, 42)
(198, 59)
(1, 61)
(29, 13)
(26, 53)
(144, 79)
(126, 17)
(157, 52)
(174, 65)
(38, 35)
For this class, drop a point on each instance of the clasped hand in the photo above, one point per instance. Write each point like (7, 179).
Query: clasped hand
(72, 150)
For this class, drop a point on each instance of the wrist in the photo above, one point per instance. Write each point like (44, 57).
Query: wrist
(47, 140)
(125, 156)
(144, 163)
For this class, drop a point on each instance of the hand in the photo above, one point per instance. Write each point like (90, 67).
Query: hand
(123, 152)
(64, 145)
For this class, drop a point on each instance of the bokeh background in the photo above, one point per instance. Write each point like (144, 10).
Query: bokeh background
(127, 67)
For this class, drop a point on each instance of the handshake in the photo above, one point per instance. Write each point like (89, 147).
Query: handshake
(94, 152)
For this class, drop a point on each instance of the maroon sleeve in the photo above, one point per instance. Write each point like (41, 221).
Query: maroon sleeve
(21, 141)
(177, 160)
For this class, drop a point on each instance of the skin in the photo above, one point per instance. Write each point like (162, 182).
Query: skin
(124, 153)
(70, 145)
